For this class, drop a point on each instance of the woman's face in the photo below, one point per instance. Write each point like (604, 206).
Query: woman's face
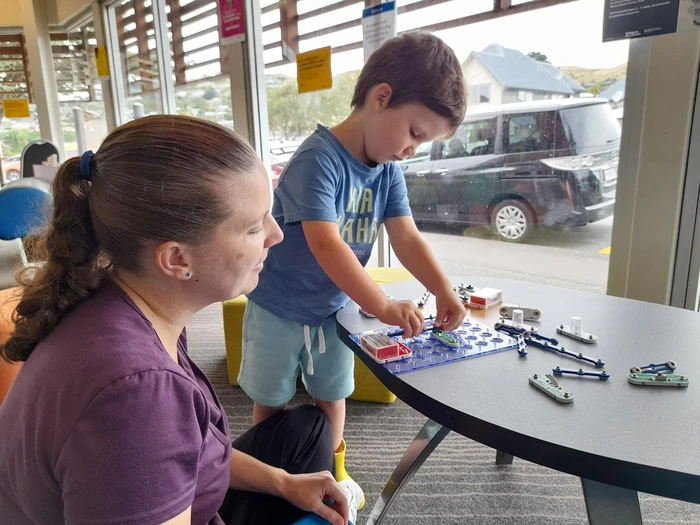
(230, 262)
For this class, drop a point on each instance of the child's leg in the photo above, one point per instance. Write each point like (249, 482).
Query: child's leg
(262, 412)
(335, 411)
(328, 375)
(270, 360)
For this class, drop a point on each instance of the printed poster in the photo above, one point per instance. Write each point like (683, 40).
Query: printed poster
(314, 70)
(641, 18)
(231, 21)
(378, 26)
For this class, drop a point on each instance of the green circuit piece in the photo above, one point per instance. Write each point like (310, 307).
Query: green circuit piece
(658, 379)
(444, 337)
(549, 385)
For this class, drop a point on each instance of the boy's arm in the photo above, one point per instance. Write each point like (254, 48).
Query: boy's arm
(415, 254)
(340, 264)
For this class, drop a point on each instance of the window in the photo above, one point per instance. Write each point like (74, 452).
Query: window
(79, 88)
(14, 69)
(531, 132)
(467, 203)
(480, 93)
(138, 58)
(472, 139)
(15, 134)
(587, 129)
(200, 63)
(525, 96)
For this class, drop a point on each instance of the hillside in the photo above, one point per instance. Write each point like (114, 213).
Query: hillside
(602, 78)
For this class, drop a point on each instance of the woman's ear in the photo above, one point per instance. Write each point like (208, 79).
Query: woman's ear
(173, 260)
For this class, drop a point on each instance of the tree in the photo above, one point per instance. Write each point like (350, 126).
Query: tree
(292, 115)
(210, 94)
(539, 57)
(14, 140)
(595, 89)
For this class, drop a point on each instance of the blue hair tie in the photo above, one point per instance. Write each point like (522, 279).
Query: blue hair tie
(86, 165)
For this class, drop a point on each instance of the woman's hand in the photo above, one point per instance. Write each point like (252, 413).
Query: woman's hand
(311, 492)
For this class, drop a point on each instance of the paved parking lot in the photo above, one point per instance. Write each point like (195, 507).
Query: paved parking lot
(569, 257)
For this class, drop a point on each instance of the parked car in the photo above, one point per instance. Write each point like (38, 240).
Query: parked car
(10, 170)
(516, 166)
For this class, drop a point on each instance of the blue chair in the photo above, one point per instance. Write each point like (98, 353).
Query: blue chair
(23, 208)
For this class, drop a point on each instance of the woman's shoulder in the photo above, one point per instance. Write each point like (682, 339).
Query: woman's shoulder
(103, 339)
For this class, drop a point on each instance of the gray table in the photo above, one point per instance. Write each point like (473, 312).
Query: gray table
(618, 438)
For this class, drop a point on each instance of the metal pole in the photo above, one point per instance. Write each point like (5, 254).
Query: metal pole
(79, 130)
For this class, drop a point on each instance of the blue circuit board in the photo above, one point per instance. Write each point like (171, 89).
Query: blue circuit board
(476, 339)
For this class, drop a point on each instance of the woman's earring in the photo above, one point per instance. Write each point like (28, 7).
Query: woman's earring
(187, 275)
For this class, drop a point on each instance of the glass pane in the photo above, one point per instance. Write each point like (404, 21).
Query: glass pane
(526, 187)
(209, 100)
(79, 88)
(138, 59)
(15, 133)
(202, 87)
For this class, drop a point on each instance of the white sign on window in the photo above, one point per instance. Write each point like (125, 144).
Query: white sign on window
(641, 18)
(378, 26)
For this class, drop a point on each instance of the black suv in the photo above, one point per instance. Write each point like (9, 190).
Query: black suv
(515, 166)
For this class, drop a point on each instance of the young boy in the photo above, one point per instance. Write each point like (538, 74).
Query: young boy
(334, 194)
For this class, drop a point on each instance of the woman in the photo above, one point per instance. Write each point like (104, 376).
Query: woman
(109, 421)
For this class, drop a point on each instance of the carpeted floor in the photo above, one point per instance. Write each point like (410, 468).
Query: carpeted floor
(459, 484)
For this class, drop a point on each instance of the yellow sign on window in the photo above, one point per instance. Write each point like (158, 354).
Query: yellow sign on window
(16, 107)
(314, 70)
(102, 61)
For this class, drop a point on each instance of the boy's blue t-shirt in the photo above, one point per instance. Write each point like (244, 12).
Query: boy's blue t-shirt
(324, 182)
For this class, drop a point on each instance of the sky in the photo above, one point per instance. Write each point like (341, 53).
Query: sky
(569, 34)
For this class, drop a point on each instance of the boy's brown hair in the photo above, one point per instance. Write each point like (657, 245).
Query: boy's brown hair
(420, 68)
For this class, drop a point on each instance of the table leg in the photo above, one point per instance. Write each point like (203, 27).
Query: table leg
(609, 505)
(417, 452)
(503, 459)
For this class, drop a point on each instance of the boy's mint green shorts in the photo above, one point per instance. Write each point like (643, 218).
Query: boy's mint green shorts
(273, 350)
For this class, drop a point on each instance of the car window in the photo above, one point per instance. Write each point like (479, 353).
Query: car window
(529, 132)
(472, 139)
(586, 129)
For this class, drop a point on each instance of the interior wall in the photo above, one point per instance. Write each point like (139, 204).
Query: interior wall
(11, 15)
(67, 9)
(58, 11)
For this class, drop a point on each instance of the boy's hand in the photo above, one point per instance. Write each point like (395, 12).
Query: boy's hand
(450, 311)
(404, 314)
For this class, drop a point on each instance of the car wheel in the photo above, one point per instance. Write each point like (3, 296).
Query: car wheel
(12, 175)
(512, 220)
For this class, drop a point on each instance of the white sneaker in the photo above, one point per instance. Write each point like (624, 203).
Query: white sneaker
(354, 495)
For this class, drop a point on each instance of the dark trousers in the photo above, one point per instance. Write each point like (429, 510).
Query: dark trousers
(298, 440)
